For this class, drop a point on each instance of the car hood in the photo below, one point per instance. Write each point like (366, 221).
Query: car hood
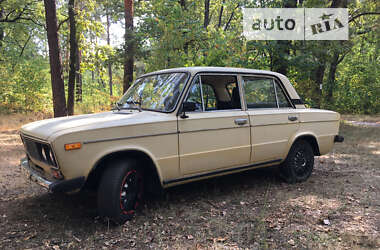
(44, 129)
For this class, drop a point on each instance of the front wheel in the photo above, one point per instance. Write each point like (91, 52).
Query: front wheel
(299, 163)
(120, 190)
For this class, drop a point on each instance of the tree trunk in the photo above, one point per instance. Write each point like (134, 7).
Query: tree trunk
(1, 28)
(78, 79)
(73, 59)
(183, 4)
(280, 58)
(109, 61)
(207, 14)
(317, 91)
(58, 86)
(129, 49)
(221, 14)
(330, 83)
(331, 78)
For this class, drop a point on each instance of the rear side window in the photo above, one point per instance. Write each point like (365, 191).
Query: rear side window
(259, 92)
(264, 93)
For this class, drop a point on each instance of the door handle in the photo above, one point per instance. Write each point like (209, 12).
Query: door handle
(292, 118)
(241, 121)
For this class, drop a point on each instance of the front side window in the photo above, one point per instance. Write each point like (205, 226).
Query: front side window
(211, 92)
(155, 92)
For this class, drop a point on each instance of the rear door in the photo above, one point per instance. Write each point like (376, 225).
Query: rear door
(272, 117)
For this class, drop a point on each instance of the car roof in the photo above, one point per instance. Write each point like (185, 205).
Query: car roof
(195, 70)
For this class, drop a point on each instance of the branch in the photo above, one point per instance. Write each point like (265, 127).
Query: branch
(342, 57)
(19, 16)
(362, 14)
(230, 19)
(7, 20)
(62, 22)
(221, 14)
(23, 47)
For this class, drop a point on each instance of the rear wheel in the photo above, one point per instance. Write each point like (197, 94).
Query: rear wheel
(299, 163)
(120, 190)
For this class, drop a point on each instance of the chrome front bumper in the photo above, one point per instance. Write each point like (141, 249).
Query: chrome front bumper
(58, 186)
(33, 175)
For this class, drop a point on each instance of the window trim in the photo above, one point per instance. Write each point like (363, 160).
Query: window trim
(275, 93)
(285, 94)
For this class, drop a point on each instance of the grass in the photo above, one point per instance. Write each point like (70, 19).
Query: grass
(15, 121)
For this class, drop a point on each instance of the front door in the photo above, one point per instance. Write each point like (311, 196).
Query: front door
(272, 117)
(217, 134)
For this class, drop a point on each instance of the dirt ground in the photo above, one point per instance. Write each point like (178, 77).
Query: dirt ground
(337, 208)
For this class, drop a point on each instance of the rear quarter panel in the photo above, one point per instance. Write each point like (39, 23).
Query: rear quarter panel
(322, 124)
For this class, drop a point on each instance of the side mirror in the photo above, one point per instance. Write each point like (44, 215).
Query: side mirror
(188, 107)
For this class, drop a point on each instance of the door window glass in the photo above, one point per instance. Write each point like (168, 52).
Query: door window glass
(259, 92)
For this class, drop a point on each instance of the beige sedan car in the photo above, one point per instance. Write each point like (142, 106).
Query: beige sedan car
(176, 126)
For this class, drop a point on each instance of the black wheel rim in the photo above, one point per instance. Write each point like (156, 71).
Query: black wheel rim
(130, 192)
(301, 163)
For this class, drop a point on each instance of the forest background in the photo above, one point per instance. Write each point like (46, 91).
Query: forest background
(98, 47)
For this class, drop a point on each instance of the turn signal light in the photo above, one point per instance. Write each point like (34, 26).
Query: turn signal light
(72, 146)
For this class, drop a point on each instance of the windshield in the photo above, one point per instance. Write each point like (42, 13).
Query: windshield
(155, 92)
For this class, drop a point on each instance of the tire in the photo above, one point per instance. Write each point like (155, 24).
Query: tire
(120, 190)
(299, 163)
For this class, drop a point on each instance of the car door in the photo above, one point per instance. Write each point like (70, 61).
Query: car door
(211, 138)
(272, 117)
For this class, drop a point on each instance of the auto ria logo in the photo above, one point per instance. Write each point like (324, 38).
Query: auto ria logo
(326, 25)
(295, 23)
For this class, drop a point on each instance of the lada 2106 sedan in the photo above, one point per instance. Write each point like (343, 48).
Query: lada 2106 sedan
(176, 126)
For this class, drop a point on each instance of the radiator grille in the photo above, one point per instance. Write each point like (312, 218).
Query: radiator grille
(39, 151)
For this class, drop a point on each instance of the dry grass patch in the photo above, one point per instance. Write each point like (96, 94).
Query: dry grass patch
(13, 122)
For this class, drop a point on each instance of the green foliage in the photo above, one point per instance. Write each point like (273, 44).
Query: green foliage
(24, 87)
(168, 35)
(358, 79)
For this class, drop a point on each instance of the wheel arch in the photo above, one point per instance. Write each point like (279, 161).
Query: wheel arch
(311, 139)
(150, 168)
